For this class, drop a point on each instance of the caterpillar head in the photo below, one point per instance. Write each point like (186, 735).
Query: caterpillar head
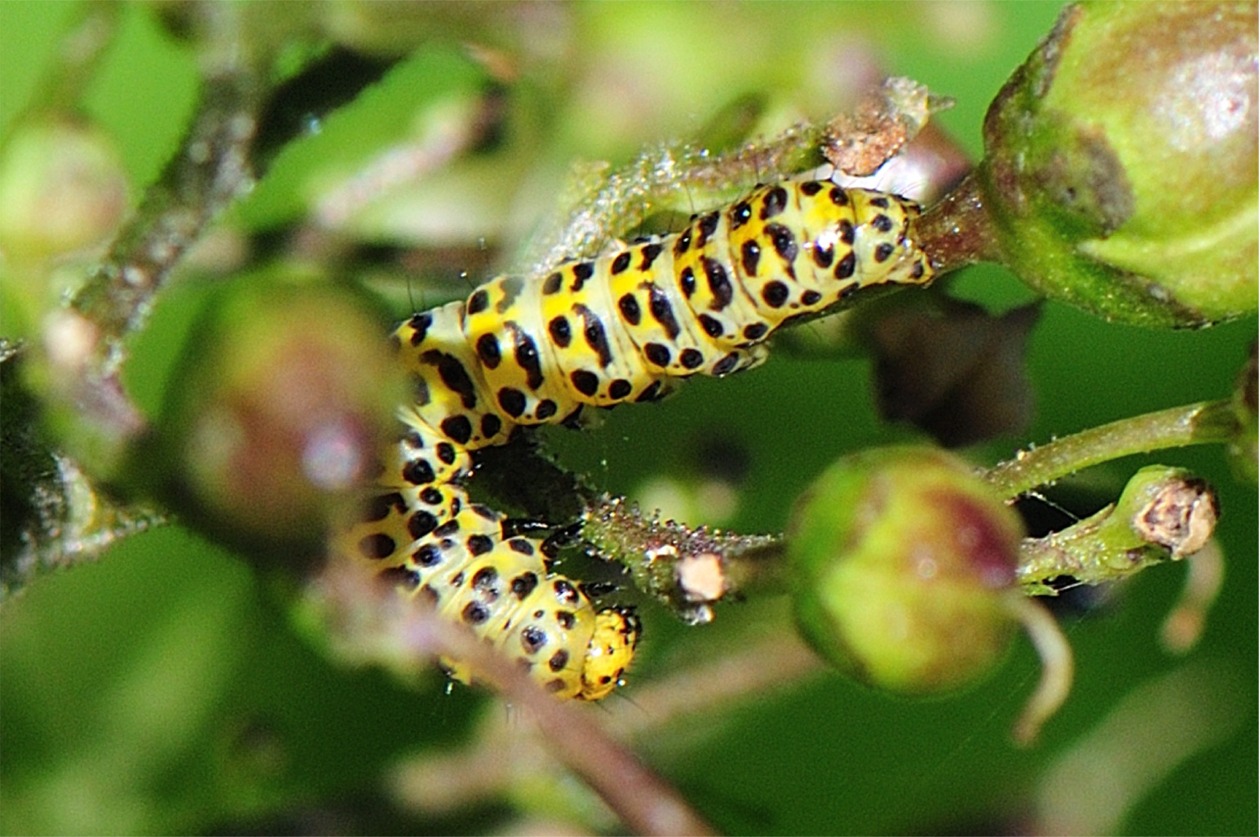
(612, 646)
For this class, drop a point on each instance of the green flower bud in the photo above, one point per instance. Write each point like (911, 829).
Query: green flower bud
(282, 402)
(900, 560)
(62, 187)
(62, 190)
(1120, 167)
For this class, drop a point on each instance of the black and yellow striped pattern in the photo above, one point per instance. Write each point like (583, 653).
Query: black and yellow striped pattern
(625, 326)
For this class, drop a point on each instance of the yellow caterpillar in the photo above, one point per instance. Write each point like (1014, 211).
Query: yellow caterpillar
(621, 327)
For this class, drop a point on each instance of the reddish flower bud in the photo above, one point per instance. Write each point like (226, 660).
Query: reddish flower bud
(283, 400)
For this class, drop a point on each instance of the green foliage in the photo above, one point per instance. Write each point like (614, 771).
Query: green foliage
(157, 691)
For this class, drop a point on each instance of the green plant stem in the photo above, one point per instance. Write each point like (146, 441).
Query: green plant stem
(757, 566)
(678, 177)
(210, 170)
(1194, 424)
(668, 177)
(957, 231)
(94, 417)
(1057, 667)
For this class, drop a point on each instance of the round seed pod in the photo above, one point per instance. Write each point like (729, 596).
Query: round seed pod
(62, 188)
(900, 558)
(277, 411)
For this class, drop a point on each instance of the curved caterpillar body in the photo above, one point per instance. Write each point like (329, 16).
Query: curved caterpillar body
(623, 327)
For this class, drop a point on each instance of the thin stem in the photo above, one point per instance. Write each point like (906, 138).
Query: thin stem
(688, 570)
(1205, 575)
(1057, 667)
(1163, 514)
(674, 177)
(749, 669)
(661, 178)
(957, 231)
(1193, 424)
(84, 344)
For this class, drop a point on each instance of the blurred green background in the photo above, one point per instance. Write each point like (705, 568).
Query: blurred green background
(164, 690)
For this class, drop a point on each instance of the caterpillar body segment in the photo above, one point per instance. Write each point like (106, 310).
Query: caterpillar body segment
(431, 540)
(618, 328)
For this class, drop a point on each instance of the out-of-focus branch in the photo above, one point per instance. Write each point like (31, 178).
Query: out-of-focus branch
(501, 757)
(210, 169)
(68, 380)
(372, 621)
